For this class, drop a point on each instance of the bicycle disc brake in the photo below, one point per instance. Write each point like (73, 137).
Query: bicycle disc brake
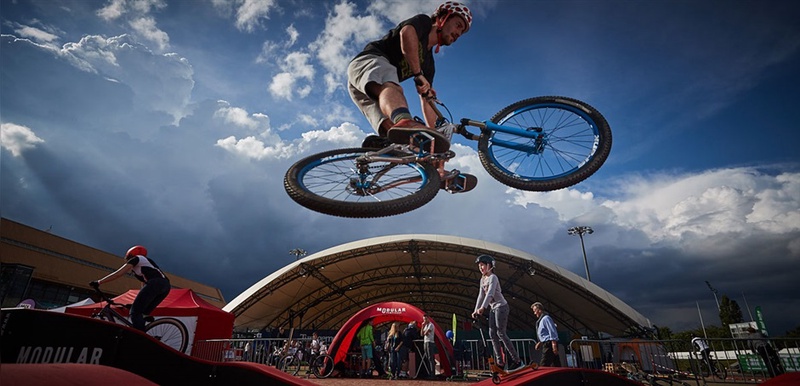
(365, 180)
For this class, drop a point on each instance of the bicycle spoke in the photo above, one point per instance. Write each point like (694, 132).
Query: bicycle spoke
(569, 142)
(335, 180)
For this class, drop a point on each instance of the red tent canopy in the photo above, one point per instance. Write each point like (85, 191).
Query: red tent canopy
(212, 322)
(388, 312)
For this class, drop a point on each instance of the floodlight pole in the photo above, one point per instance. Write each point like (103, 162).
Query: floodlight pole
(580, 231)
(714, 291)
(298, 253)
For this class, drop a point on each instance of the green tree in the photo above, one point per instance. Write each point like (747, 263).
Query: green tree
(713, 332)
(729, 311)
(793, 333)
(663, 333)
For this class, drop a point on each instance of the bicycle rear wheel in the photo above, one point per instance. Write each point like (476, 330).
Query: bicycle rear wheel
(575, 142)
(330, 183)
(322, 366)
(171, 332)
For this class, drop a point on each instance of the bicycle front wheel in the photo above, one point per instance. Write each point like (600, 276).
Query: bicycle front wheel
(171, 332)
(290, 364)
(322, 367)
(573, 141)
(331, 183)
(720, 371)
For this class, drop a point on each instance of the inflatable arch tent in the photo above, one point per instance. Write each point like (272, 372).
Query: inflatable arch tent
(388, 312)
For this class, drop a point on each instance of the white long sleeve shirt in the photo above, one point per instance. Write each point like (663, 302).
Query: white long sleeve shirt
(490, 294)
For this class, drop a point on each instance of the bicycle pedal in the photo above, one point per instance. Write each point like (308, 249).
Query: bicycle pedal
(460, 183)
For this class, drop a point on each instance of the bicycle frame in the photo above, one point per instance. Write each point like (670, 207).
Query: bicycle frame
(537, 145)
(109, 313)
(169, 331)
(539, 139)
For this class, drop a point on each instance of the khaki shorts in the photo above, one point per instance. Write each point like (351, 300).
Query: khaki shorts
(363, 70)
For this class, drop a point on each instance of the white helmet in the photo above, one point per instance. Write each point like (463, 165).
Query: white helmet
(451, 7)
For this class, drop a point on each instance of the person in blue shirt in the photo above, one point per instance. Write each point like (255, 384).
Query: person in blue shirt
(547, 335)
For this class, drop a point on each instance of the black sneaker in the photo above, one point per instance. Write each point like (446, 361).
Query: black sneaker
(402, 132)
(375, 142)
(516, 366)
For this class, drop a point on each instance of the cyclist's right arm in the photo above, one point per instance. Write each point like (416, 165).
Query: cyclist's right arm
(114, 275)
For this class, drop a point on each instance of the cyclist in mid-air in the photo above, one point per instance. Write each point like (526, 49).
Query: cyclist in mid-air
(374, 75)
(156, 284)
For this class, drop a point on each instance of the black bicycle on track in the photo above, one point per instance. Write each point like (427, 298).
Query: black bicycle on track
(169, 331)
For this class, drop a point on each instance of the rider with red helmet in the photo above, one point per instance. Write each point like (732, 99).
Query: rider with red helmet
(155, 288)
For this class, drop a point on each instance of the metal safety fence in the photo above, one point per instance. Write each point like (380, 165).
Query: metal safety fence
(722, 361)
(726, 361)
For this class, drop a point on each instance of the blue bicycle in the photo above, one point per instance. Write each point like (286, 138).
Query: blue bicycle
(537, 144)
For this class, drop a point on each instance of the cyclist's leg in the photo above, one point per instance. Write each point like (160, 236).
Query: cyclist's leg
(375, 71)
(151, 294)
(707, 360)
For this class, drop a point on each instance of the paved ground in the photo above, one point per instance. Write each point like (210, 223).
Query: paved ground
(379, 382)
(400, 382)
(414, 382)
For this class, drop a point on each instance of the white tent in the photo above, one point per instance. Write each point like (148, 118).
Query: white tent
(83, 302)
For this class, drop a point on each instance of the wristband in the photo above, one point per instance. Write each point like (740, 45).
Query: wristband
(418, 74)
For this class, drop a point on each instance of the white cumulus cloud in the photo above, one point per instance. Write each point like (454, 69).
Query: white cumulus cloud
(250, 12)
(161, 82)
(147, 29)
(345, 33)
(17, 138)
(296, 70)
(138, 14)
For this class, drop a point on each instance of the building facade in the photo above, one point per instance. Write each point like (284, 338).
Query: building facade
(50, 271)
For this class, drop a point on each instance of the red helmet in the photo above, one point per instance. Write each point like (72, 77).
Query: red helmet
(137, 250)
(451, 7)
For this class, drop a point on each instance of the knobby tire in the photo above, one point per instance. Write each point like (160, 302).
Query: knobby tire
(290, 364)
(322, 367)
(323, 182)
(171, 332)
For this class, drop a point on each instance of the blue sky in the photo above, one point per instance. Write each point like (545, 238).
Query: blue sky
(171, 124)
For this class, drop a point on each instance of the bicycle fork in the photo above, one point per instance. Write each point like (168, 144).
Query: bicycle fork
(538, 139)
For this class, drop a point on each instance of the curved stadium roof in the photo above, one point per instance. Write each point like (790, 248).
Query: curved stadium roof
(433, 272)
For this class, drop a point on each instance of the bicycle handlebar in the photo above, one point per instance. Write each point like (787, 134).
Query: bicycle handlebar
(107, 299)
(460, 128)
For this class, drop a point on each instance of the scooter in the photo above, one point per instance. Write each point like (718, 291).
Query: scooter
(499, 373)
